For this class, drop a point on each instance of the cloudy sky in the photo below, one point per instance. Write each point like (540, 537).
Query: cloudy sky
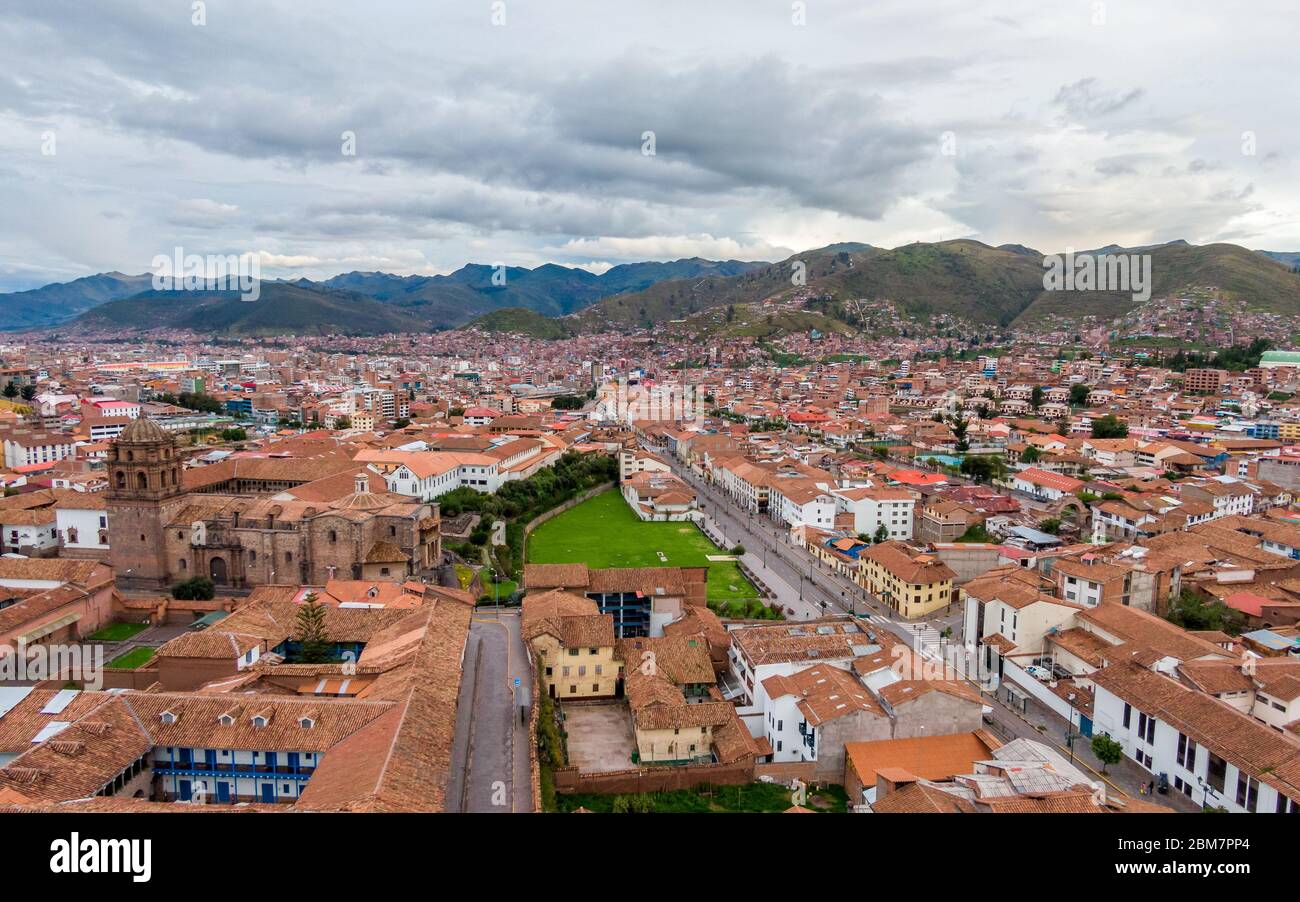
(512, 132)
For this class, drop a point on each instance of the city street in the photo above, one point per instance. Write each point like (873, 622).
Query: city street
(490, 769)
(813, 590)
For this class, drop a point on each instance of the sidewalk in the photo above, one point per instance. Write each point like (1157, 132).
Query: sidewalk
(1126, 776)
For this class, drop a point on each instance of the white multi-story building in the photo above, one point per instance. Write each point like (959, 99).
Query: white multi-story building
(1212, 753)
(24, 447)
(872, 508)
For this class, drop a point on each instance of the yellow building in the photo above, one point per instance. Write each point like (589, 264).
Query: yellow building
(668, 728)
(911, 583)
(573, 643)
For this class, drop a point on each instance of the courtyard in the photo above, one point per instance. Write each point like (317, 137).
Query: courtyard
(599, 737)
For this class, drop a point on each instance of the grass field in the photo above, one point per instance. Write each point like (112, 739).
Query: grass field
(116, 632)
(752, 798)
(134, 658)
(603, 532)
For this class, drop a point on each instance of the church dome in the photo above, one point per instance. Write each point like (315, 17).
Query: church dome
(361, 499)
(143, 430)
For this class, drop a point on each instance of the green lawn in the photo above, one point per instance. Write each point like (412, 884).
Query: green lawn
(603, 532)
(134, 658)
(116, 632)
(752, 798)
(502, 589)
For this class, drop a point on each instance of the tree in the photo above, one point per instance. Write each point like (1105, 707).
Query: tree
(198, 401)
(976, 533)
(401, 423)
(1107, 750)
(28, 392)
(1036, 397)
(342, 422)
(1051, 526)
(738, 551)
(959, 424)
(313, 647)
(983, 467)
(10, 390)
(233, 435)
(567, 402)
(1079, 394)
(1109, 426)
(195, 588)
(882, 534)
(1191, 613)
(1031, 455)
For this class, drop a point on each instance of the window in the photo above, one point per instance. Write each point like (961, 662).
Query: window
(1247, 792)
(1186, 752)
(595, 687)
(288, 557)
(1216, 773)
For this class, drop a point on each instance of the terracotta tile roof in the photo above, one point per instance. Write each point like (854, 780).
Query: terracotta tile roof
(683, 659)
(1236, 737)
(825, 693)
(927, 757)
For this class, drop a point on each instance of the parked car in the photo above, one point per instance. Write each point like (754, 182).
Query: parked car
(1061, 673)
(1038, 673)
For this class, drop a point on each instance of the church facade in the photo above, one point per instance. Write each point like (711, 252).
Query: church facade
(257, 522)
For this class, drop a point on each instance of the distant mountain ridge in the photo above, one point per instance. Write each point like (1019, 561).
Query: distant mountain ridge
(60, 301)
(437, 302)
(961, 278)
(966, 279)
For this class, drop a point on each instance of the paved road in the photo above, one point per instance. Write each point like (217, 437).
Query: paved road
(818, 591)
(490, 755)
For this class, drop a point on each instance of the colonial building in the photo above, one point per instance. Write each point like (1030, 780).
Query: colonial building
(308, 522)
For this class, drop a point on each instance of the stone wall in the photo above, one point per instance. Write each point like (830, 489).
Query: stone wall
(570, 780)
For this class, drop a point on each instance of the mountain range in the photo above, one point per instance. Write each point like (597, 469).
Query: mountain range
(380, 302)
(984, 285)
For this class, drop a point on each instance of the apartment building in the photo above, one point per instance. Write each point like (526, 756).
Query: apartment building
(873, 508)
(1214, 754)
(24, 447)
(912, 583)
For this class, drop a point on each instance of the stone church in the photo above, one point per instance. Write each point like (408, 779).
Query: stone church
(257, 521)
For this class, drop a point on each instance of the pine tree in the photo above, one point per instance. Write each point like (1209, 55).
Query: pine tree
(313, 646)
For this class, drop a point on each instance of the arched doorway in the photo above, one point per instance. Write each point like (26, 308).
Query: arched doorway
(217, 570)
